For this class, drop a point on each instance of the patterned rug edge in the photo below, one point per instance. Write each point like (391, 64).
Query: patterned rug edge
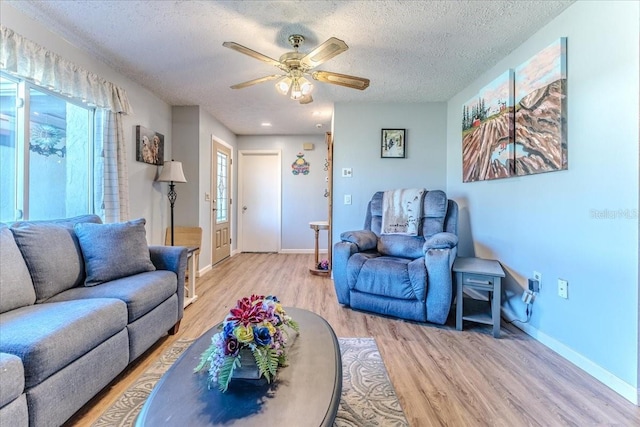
(368, 397)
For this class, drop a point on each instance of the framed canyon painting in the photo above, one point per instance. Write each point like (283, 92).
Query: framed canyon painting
(540, 111)
(487, 132)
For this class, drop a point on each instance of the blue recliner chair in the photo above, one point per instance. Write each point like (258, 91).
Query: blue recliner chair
(400, 275)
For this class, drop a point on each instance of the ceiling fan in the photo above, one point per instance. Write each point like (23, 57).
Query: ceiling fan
(296, 65)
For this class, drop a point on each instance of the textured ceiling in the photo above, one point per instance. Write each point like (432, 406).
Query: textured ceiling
(412, 51)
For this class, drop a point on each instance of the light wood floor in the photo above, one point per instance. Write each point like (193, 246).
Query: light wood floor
(443, 377)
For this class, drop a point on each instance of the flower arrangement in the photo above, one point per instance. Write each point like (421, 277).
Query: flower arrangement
(256, 323)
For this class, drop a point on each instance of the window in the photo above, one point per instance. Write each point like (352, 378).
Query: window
(46, 153)
(222, 199)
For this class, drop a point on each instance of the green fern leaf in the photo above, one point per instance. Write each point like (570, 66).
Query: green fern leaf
(226, 372)
(267, 361)
(294, 325)
(204, 358)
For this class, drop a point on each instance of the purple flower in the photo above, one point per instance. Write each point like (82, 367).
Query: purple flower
(231, 347)
(261, 335)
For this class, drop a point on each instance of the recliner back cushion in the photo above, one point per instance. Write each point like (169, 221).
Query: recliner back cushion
(434, 211)
(401, 246)
(16, 287)
(52, 253)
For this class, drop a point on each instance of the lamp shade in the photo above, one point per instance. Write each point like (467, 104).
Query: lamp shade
(172, 171)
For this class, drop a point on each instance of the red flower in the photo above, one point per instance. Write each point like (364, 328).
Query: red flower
(247, 311)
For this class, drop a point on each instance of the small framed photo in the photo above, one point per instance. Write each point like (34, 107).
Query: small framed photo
(394, 144)
(149, 146)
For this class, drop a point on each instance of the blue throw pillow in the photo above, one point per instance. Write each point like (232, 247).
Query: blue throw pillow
(113, 251)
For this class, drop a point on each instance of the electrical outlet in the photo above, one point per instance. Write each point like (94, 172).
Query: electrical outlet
(563, 288)
(538, 276)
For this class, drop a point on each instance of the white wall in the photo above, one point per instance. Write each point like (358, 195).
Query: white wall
(303, 198)
(147, 198)
(548, 222)
(357, 132)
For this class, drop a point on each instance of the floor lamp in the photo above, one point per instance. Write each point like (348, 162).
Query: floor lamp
(172, 173)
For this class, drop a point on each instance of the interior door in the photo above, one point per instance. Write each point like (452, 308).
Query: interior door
(221, 239)
(259, 201)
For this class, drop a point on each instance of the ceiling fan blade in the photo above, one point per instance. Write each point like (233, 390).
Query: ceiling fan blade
(308, 99)
(324, 52)
(256, 81)
(252, 53)
(341, 79)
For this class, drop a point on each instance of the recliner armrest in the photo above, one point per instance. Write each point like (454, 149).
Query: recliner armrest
(363, 239)
(441, 241)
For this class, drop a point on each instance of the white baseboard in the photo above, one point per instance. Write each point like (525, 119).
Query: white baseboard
(624, 389)
(302, 251)
(204, 270)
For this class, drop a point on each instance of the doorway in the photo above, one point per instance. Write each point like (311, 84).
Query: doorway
(259, 200)
(221, 189)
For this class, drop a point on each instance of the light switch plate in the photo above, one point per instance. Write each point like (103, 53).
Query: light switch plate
(347, 199)
(346, 173)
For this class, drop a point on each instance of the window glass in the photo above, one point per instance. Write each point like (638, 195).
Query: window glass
(47, 164)
(222, 199)
(8, 150)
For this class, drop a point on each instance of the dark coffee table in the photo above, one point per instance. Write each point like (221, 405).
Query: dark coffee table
(305, 393)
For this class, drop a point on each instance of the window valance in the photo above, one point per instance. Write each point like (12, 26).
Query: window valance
(22, 57)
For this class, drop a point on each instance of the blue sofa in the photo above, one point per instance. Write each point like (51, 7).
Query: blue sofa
(400, 275)
(79, 301)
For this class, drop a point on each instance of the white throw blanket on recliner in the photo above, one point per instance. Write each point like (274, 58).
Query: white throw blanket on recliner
(402, 210)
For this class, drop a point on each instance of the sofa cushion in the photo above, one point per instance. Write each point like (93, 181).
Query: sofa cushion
(48, 245)
(49, 336)
(11, 378)
(16, 287)
(112, 251)
(141, 292)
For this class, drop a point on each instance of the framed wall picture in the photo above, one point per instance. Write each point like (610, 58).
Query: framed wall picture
(149, 146)
(541, 111)
(393, 144)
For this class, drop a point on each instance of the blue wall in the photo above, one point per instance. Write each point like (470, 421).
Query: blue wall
(357, 139)
(551, 222)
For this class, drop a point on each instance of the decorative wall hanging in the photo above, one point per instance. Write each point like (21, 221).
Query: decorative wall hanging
(487, 132)
(393, 144)
(540, 118)
(300, 165)
(149, 146)
(45, 139)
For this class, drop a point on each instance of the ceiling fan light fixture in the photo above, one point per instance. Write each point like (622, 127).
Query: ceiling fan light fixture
(296, 91)
(283, 85)
(305, 86)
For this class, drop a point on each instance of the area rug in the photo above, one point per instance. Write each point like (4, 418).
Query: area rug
(368, 397)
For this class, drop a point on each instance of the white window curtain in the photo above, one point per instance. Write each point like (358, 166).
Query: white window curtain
(30, 61)
(111, 183)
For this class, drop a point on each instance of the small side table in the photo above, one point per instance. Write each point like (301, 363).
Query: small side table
(481, 275)
(317, 226)
(190, 287)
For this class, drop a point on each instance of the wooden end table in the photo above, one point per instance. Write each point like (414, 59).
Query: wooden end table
(481, 275)
(190, 287)
(317, 226)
